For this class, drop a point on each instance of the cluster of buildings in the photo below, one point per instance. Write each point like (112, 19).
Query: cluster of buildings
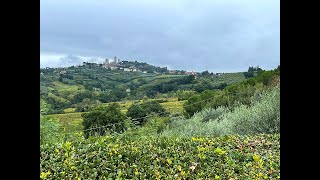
(114, 64)
(111, 64)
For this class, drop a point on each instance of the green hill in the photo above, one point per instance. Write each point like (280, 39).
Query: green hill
(68, 87)
(232, 133)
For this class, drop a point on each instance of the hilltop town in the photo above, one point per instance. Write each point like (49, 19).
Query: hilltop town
(134, 66)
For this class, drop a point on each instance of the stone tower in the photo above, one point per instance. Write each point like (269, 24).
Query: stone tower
(115, 60)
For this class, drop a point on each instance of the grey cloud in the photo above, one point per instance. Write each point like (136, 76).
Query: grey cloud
(192, 35)
(68, 60)
(71, 59)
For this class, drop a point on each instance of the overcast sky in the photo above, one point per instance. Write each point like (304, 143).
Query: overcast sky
(214, 35)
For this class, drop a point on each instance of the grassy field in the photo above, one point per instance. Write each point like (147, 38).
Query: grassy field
(61, 87)
(69, 110)
(173, 105)
(229, 78)
(71, 120)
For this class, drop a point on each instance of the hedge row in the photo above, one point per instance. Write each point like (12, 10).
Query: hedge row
(226, 157)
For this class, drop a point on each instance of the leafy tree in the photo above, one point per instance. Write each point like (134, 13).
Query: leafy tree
(105, 97)
(119, 93)
(86, 105)
(196, 105)
(78, 98)
(102, 116)
(221, 86)
(184, 95)
(187, 79)
(203, 86)
(57, 103)
(252, 71)
(205, 73)
(266, 77)
(143, 109)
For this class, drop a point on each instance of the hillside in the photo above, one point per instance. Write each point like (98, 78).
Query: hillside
(68, 87)
(190, 129)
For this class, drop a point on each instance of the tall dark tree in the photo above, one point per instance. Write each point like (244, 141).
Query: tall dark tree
(110, 117)
(205, 73)
(137, 111)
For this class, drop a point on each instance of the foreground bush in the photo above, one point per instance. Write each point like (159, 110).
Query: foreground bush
(263, 116)
(203, 123)
(227, 157)
(49, 130)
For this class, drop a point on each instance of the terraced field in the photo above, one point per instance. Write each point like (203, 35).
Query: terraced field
(62, 87)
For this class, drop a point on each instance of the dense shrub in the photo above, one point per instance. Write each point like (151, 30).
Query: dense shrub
(102, 116)
(212, 114)
(208, 99)
(86, 105)
(142, 110)
(184, 95)
(227, 157)
(49, 130)
(153, 126)
(193, 126)
(263, 116)
(232, 94)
